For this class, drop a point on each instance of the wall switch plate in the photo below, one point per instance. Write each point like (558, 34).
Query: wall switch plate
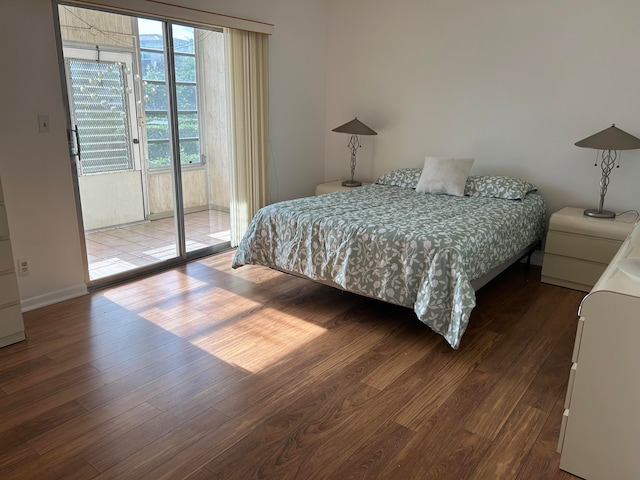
(43, 124)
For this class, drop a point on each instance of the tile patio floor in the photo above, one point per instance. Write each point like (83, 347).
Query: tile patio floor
(123, 248)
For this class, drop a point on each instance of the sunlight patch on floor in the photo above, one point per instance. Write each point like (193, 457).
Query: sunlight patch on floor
(257, 341)
(141, 295)
(235, 328)
(224, 236)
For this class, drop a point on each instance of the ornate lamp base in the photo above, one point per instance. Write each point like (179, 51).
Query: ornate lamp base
(607, 164)
(595, 213)
(351, 183)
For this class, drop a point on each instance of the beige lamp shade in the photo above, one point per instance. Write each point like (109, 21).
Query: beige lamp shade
(355, 127)
(611, 138)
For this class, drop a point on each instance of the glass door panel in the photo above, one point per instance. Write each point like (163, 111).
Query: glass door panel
(202, 126)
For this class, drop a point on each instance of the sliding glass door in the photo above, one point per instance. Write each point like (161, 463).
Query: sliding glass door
(148, 109)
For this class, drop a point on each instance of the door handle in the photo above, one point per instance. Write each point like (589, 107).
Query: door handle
(74, 150)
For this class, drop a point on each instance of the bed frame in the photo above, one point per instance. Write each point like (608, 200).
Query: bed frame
(527, 251)
(477, 283)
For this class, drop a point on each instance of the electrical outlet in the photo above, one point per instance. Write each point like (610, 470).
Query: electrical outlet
(24, 267)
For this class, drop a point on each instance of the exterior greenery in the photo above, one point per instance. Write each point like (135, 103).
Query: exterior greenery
(156, 105)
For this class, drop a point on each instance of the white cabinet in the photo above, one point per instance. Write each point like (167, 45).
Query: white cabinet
(600, 434)
(11, 325)
(579, 248)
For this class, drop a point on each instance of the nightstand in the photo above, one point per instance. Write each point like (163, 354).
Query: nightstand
(579, 248)
(334, 186)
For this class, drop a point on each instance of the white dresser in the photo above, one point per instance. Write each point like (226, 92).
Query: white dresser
(600, 434)
(11, 325)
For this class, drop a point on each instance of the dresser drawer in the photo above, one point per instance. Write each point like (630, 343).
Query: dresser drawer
(11, 326)
(576, 343)
(572, 379)
(4, 224)
(9, 293)
(563, 430)
(11, 321)
(593, 249)
(6, 257)
(571, 269)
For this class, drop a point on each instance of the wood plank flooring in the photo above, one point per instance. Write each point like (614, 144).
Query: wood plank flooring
(203, 372)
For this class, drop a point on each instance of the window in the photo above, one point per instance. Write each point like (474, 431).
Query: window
(98, 94)
(154, 95)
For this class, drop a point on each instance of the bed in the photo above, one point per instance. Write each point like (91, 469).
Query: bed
(424, 251)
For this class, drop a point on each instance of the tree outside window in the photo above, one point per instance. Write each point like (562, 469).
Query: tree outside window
(154, 95)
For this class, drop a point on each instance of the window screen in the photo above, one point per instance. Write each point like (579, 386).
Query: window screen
(99, 102)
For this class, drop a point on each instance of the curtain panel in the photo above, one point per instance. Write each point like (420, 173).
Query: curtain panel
(247, 55)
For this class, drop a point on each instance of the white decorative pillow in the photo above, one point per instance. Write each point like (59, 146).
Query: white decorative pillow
(442, 175)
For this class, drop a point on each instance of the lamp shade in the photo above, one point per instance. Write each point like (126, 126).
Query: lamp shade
(355, 127)
(611, 138)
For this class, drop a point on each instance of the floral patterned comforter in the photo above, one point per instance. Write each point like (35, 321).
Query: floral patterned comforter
(411, 249)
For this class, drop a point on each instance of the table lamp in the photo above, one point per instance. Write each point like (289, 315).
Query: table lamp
(355, 127)
(609, 141)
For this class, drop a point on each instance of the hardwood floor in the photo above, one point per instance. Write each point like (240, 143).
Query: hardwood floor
(203, 372)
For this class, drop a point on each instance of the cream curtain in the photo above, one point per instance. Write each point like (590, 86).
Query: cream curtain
(248, 60)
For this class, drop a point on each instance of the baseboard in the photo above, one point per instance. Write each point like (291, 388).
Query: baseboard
(188, 210)
(219, 208)
(53, 297)
(566, 284)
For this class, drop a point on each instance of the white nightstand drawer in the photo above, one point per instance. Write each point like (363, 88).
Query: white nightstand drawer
(573, 220)
(594, 249)
(571, 270)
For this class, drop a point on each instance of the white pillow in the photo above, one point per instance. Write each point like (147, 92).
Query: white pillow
(442, 175)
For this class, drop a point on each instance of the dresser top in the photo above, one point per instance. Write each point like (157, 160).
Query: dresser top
(573, 220)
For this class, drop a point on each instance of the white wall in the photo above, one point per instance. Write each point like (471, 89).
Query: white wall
(513, 84)
(35, 168)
